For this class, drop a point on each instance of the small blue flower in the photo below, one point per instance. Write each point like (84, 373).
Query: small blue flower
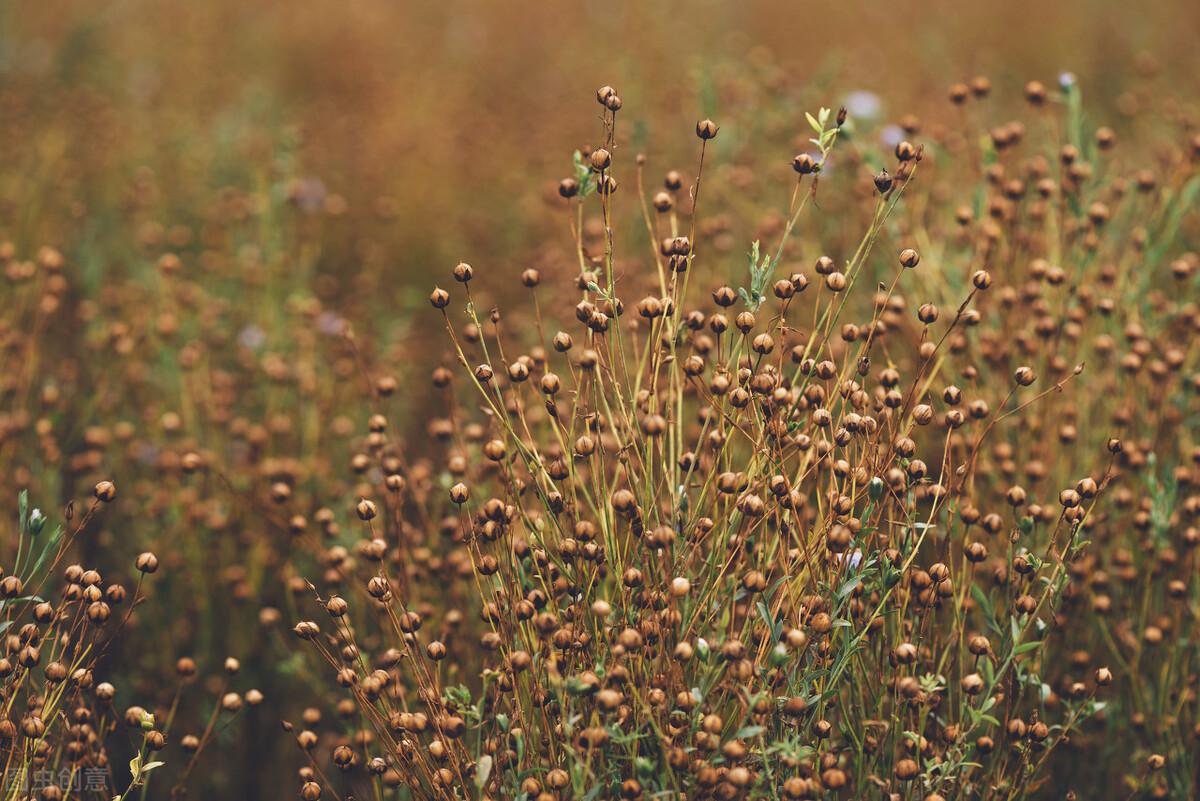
(330, 323)
(252, 337)
(852, 559)
(891, 135)
(863, 104)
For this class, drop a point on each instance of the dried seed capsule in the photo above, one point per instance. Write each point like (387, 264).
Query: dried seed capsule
(883, 182)
(804, 164)
(706, 129)
(365, 509)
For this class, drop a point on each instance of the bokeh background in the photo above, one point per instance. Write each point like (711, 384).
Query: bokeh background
(427, 124)
(427, 133)
(340, 155)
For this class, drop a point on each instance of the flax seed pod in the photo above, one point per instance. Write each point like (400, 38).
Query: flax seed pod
(706, 129)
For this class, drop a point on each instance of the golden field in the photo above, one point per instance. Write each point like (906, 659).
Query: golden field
(556, 401)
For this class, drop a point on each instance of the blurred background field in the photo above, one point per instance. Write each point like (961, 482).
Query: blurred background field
(417, 134)
(314, 164)
(423, 125)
